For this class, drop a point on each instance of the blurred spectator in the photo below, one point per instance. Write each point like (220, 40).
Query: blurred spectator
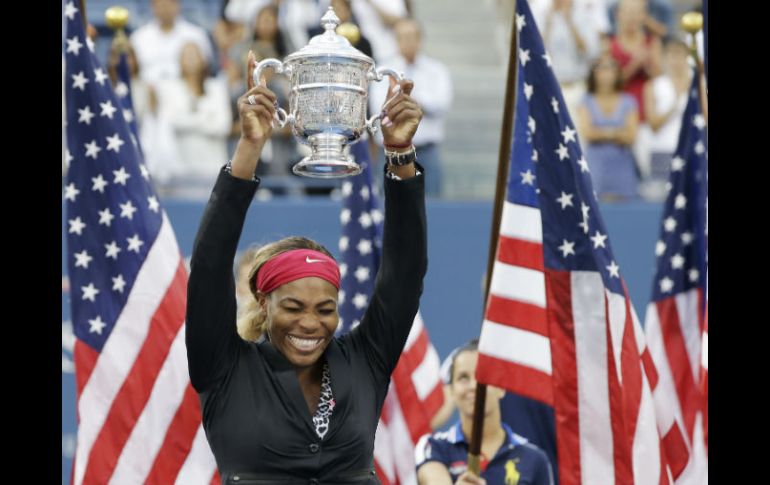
(229, 39)
(268, 41)
(344, 11)
(227, 35)
(665, 99)
(158, 44)
(197, 108)
(608, 121)
(432, 89)
(659, 18)
(572, 31)
(637, 52)
(376, 19)
(295, 17)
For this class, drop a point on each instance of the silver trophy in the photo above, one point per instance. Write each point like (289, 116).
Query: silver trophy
(328, 99)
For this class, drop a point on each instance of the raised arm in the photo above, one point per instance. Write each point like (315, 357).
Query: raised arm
(388, 319)
(211, 336)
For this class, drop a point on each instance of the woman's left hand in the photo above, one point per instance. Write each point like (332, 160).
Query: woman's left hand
(402, 115)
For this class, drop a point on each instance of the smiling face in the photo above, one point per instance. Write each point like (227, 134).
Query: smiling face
(302, 318)
(463, 385)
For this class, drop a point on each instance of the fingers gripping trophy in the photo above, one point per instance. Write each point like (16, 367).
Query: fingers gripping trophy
(328, 99)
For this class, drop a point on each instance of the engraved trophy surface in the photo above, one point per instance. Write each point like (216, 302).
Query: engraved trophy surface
(328, 99)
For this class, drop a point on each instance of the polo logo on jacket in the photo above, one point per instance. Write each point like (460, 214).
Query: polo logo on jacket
(511, 473)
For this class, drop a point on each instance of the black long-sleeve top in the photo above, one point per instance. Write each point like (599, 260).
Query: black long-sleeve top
(254, 413)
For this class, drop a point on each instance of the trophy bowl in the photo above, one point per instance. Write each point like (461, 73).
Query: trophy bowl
(328, 99)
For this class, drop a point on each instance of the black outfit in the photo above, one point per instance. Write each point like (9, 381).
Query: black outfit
(254, 413)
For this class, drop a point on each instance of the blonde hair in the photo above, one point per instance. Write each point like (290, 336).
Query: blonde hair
(252, 319)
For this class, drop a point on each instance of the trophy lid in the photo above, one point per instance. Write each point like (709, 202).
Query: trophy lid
(329, 43)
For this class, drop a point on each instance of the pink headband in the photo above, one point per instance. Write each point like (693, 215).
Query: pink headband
(295, 264)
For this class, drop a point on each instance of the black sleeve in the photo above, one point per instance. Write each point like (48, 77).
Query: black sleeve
(212, 337)
(386, 324)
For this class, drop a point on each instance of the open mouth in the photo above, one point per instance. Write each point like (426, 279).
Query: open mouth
(305, 344)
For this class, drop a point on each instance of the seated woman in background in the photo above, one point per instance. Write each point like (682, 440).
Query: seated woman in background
(608, 120)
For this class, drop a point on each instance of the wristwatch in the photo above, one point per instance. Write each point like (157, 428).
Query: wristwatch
(400, 159)
(228, 168)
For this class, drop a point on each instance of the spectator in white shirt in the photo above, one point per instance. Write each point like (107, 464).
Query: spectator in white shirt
(433, 90)
(377, 20)
(158, 44)
(665, 99)
(197, 109)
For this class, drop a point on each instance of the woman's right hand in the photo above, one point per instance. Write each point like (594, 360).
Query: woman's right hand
(257, 117)
(256, 121)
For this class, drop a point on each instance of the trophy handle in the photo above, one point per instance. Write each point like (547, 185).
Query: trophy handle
(373, 123)
(281, 116)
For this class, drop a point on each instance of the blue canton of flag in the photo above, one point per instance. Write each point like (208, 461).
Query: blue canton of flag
(548, 170)
(681, 249)
(113, 212)
(361, 241)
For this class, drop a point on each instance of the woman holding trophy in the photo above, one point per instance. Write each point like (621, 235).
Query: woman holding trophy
(299, 405)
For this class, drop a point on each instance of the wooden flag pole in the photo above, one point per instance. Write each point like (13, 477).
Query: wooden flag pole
(83, 15)
(692, 22)
(503, 161)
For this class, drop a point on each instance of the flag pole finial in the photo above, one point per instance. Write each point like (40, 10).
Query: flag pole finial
(116, 18)
(692, 23)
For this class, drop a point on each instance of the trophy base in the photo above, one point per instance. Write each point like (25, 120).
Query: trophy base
(327, 160)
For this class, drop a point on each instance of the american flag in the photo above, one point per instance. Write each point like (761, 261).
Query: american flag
(675, 318)
(559, 326)
(415, 392)
(139, 417)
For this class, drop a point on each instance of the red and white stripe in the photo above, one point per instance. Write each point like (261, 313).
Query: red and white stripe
(414, 396)
(674, 336)
(561, 338)
(514, 346)
(139, 420)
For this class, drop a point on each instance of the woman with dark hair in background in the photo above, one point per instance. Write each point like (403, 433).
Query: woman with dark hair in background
(607, 120)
